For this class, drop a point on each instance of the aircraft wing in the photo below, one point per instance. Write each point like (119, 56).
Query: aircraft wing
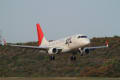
(97, 47)
(32, 47)
(36, 47)
(93, 48)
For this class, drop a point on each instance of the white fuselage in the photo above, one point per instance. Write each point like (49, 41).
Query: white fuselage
(70, 43)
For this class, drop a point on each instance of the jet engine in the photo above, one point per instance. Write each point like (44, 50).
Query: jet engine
(53, 51)
(87, 51)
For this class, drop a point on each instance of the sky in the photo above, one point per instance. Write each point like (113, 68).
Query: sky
(58, 18)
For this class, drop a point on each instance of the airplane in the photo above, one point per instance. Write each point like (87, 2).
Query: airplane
(75, 44)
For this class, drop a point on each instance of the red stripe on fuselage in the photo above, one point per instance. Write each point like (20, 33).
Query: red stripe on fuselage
(40, 34)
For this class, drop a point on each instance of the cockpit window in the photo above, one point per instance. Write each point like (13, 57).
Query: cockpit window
(82, 36)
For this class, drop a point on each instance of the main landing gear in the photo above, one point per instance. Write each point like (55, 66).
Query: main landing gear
(73, 58)
(52, 58)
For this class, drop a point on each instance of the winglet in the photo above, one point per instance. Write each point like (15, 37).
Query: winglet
(40, 34)
(107, 44)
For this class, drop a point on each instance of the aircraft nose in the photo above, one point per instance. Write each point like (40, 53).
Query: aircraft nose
(87, 42)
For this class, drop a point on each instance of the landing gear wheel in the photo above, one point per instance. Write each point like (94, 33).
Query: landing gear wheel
(52, 58)
(73, 58)
(82, 54)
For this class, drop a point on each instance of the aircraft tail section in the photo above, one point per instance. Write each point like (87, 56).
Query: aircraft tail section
(41, 38)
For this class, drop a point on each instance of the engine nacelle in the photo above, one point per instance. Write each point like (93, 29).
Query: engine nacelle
(87, 51)
(53, 51)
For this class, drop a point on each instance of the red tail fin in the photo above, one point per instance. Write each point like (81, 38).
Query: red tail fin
(40, 34)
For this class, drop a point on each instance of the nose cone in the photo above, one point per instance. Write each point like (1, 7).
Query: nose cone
(87, 41)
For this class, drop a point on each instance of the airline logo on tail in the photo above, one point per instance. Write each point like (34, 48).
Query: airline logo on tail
(40, 34)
